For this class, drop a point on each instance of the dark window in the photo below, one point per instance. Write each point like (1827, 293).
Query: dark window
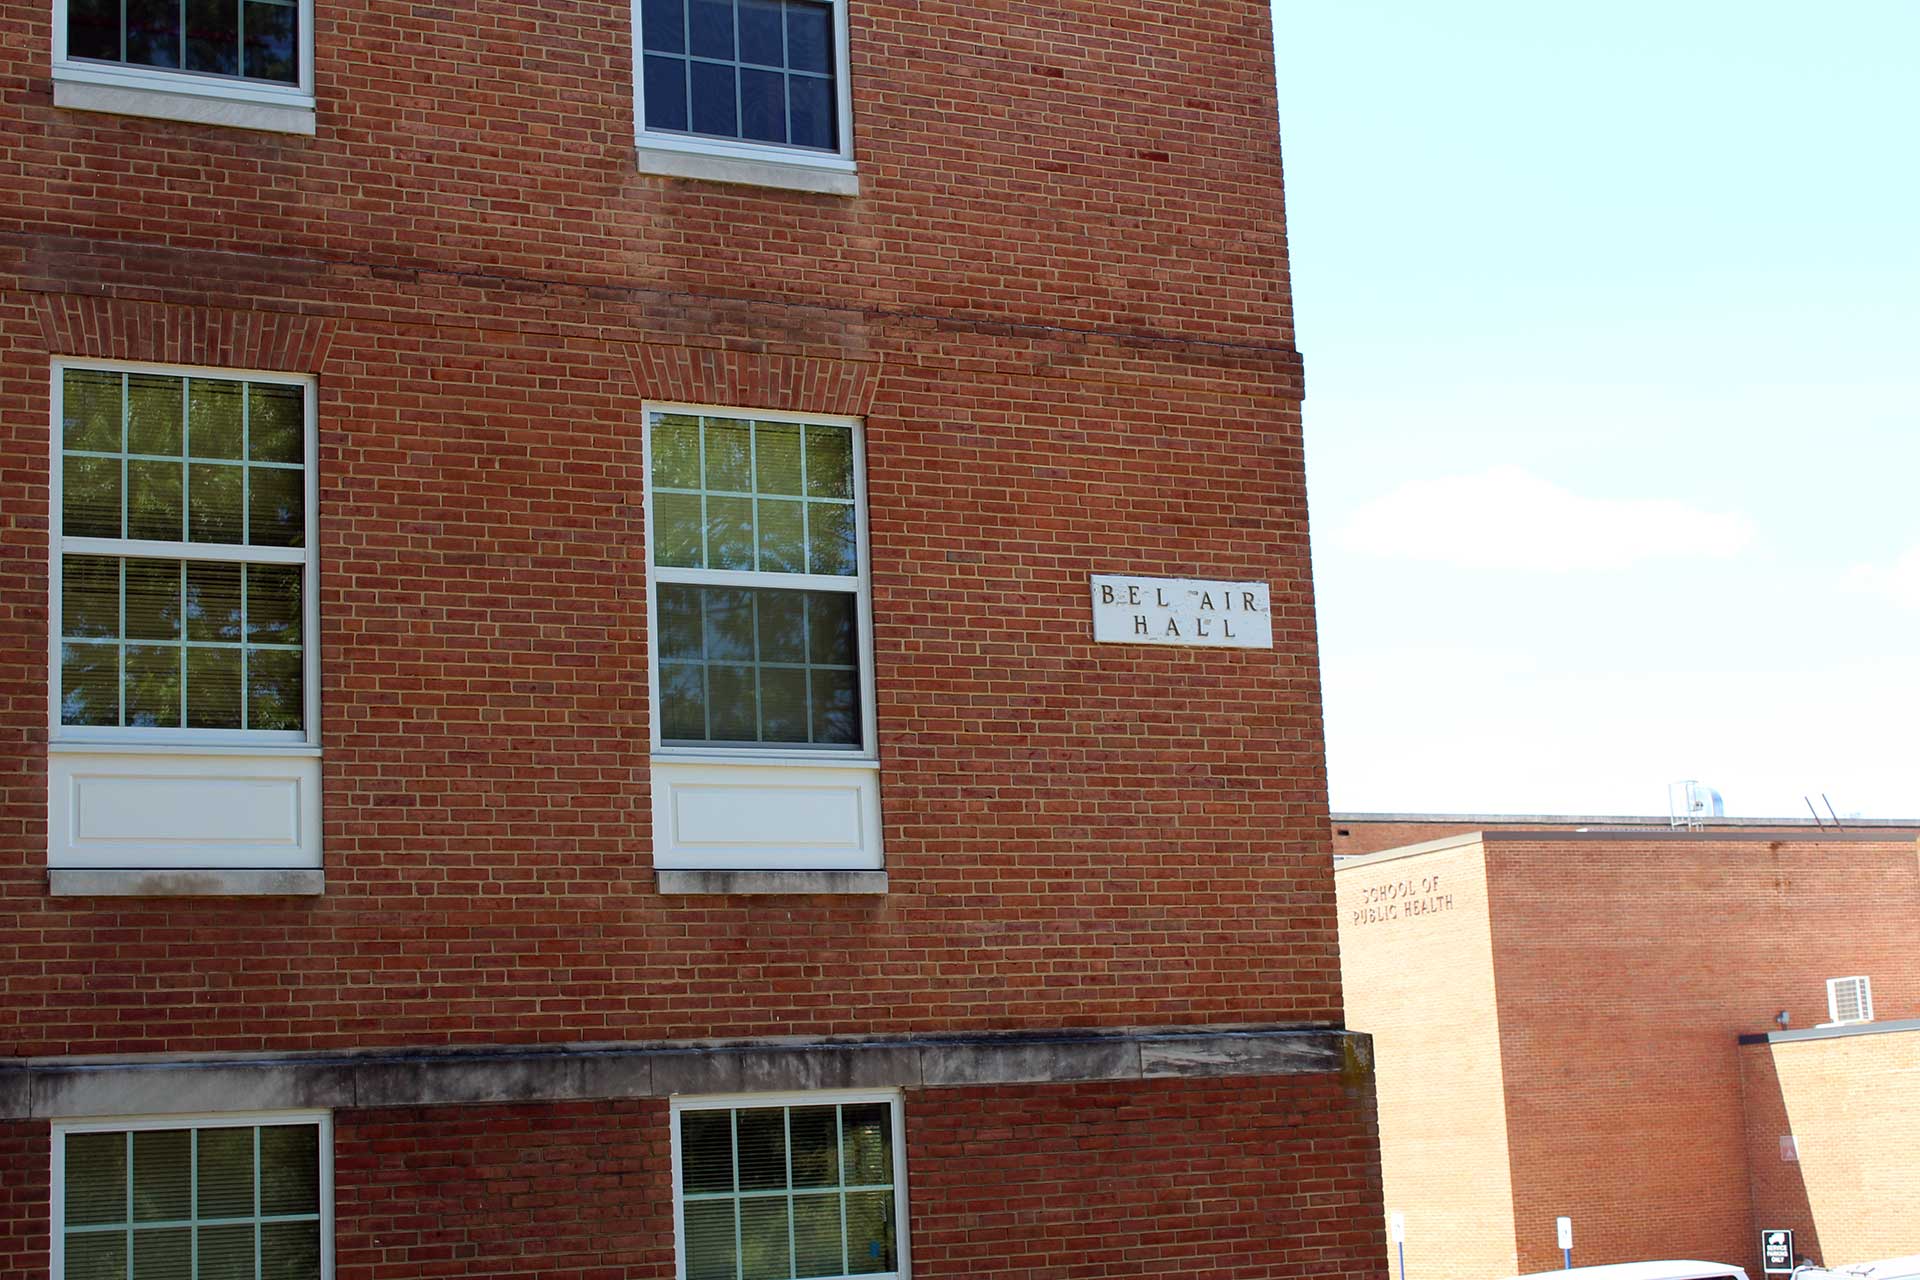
(750, 70)
(235, 39)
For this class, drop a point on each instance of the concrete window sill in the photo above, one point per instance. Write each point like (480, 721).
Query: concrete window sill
(185, 883)
(769, 883)
(186, 106)
(673, 163)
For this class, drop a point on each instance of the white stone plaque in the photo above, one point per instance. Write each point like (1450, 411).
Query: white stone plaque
(1186, 611)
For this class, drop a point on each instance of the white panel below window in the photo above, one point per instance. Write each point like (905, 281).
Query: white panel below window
(160, 810)
(744, 817)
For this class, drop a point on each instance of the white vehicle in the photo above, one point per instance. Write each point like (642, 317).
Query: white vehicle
(1891, 1269)
(1686, 1270)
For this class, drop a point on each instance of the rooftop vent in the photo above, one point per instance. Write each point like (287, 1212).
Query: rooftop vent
(1849, 1000)
(1690, 804)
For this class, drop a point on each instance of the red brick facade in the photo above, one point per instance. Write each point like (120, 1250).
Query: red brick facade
(1060, 305)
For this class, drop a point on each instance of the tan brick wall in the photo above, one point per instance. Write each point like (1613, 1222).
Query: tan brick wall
(1418, 967)
(1852, 1106)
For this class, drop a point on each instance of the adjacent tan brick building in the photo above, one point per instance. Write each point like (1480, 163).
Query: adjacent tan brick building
(1558, 1016)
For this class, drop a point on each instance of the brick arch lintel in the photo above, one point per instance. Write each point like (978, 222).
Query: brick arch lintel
(755, 379)
(98, 328)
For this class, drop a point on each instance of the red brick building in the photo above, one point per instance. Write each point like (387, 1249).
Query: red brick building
(1675, 1038)
(549, 723)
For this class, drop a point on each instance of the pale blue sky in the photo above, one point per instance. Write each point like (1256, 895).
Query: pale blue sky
(1612, 327)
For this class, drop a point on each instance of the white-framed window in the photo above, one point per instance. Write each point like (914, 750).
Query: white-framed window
(786, 1187)
(756, 524)
(184, 512)
(194, 1197)
(183, 665)
(1849, 1000)
(247, 63)
(764, 84)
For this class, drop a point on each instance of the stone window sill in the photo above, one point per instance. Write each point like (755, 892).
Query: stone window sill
(769, 883)
(706, 166)
(184, 105)
(64, 882)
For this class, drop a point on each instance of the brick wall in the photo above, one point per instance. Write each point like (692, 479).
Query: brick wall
(1421, 982)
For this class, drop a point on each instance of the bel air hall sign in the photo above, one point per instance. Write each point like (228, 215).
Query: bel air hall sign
(1223, 615)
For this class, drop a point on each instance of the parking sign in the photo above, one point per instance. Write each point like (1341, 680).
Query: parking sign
(1776, 1252)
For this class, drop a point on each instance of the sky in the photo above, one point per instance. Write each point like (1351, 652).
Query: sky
(1611, 319)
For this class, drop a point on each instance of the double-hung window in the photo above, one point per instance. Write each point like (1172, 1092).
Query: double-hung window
(184, 618)
(200, 1198)
(762, 662)
(247, 63)
(789, 1188)
(746, 90)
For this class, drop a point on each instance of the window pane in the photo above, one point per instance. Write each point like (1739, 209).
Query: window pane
(154, 415)
(666, 102)
(214, 418)
(89, 684)
(90, 497)
(777, 457)
(729, 624)
(96, 1181)
(93, 29)
(163, 1254)
(153, 599)
(812, 113)
(273, 603)
(732, 713)
(683, 702)
(870, 1246)
(90, 399)
(831, 621)
(710, 25)
(816, 1147)
(681, 626)
(760, 34)
(676, 530)
(89, 597)
(153, 33)
(213, 503)
(783, 625)
(809, 37)
(162, 1175)
(213, 36)
(729, 448)
(289, 1168)
(763, 106)
(783, 537)
(866, 1131)
(714, 108)
(831, 539)
(783, 705)
(213, 693)
(676, 447)
(706, 1153)
(273, 46)
(290, 1251)
(213, 600)
(225, 1174)
(154, 503)
(709, 1228)
(96, 1255)
(226, 1253)
(761, 1135)
(276, 415)
(276, 507)
(274, 682)
(764, 1251)
(663, 25)
(729, 533)
(836, 707)
(829, 462)
(153, 686)
(816, 1234)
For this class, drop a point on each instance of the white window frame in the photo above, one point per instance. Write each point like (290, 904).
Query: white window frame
(223, 1120)
(1864, 985)
(133, 738)
(187, 83)
(812, 757)
(751, 162)
(824, 1097)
